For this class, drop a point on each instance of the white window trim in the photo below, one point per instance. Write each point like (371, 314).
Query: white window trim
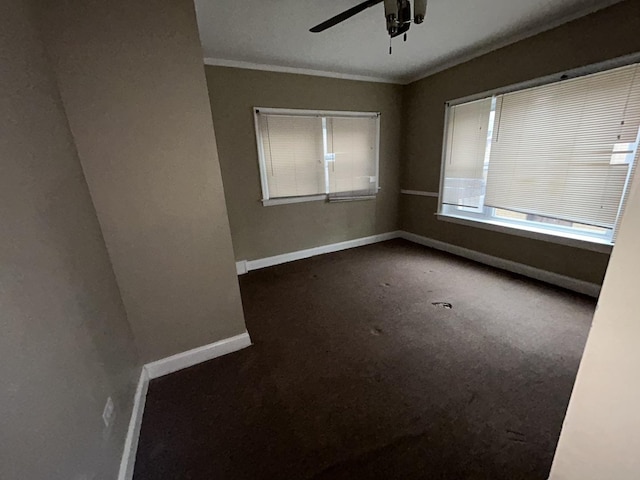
(266, 200)
(269, 202)
(564, 238)
(531, 232)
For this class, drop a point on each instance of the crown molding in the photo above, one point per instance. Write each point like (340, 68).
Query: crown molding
(457, 59)
(220, 62)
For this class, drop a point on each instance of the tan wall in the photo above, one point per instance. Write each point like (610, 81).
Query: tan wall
(600, 437)
(133, 86)
(65, 344)
(260, 231)
(603, 35)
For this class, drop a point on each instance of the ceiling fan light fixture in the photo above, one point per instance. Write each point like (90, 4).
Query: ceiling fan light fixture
(391, 14)
(419, 11)
(391, 8)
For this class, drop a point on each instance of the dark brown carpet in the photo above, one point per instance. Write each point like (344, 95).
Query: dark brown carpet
(355, 374)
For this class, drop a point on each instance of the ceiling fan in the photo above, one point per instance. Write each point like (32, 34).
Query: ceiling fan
(396, 12)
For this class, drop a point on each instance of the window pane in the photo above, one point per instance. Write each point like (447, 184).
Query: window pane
(352, 155)
(293, 155)
(467, 138)
(552, 152)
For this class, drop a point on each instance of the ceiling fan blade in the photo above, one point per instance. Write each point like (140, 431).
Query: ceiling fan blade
(344, 15)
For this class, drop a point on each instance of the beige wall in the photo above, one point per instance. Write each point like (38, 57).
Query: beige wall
(260, 231)
(65, 345)
(600, 438)
(603, 35)
(133, 86)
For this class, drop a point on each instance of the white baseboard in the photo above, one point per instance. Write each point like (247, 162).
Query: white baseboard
(133, 433)
(164, 367)
(245, 266)
(580, 286)
(190, 358)
(241, 267)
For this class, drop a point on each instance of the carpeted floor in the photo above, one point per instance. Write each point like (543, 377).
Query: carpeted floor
(355, 374)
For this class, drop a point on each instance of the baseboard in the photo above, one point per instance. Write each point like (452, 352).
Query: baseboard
(135, 423)
(198, 355)
(580, 286)
(241, 267)
(162, 367)
(245, 266)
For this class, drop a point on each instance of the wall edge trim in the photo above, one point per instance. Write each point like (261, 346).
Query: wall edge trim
(245, 266)
(570, 283)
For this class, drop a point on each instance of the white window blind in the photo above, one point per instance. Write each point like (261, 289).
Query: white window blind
(552, 147)
(293, 155)
(467, 131)
(352, 156)
(556, 158)
(304, 154)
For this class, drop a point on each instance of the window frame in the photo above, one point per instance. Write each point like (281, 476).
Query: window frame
(266, 199)
(488, 220)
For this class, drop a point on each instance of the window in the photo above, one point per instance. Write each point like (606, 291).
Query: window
(553, 159)
(314, 155)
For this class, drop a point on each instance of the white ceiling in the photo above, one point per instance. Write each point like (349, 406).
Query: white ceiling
(274, 34)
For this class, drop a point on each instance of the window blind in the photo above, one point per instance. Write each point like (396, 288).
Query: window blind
(293, 153)
(351, 156)
(552, 149)
(308, 154)
(467, 132)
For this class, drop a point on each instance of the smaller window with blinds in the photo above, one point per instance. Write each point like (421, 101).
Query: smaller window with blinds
(555, 159)
(309, 155)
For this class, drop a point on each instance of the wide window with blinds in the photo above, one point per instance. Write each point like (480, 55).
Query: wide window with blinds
(317, 155)
(555, 158)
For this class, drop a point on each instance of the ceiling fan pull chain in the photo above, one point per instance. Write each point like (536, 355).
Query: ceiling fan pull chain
(390, 39)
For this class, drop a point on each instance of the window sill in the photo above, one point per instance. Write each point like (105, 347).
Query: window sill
(313, 198)
(351, 199)
(538, 234)
(287, 200)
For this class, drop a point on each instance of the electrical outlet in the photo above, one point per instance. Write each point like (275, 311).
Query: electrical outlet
(109, 412)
